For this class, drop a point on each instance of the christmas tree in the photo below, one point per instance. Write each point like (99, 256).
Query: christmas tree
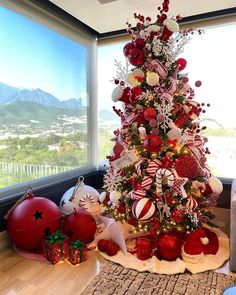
(158, 179)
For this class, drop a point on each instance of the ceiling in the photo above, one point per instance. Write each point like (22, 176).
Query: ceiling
(111, 15)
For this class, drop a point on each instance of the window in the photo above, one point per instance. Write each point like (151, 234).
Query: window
(44, 97)
(211, 59)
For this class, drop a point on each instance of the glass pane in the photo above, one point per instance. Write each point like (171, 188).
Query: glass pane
(43, 101)
(108, 120)
(211, 59)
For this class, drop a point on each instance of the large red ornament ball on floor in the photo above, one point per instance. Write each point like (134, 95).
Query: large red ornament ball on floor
(168, 246)
(31, 220)
(187, 166)
(80, 226)
(152, 143)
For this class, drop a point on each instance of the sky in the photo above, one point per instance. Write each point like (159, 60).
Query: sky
(210, 58)
(32, 56)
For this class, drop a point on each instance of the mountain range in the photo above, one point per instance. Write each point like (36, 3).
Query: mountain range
(9, 95)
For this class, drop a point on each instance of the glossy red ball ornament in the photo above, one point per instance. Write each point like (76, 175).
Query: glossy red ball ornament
(127, 48)
(149, 113)
(168, 246)
(152, 143)
(187, 166)
(80, 226)
(139, 43)
(181, 62)
(31, 220)
(136, 57)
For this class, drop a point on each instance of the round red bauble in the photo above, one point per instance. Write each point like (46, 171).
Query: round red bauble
(127, 48)
(117, 149)
(136, 57)
(121, 208)
(31, 220)
(177, 215)
(80, 226)
(181, 62)
(149, 113)
(139, 43)
(102, 245)
(168, 246)
(112, 249)
(187, 166)
(152, 143)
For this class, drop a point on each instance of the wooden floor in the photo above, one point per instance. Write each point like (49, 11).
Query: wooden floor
(20, 276)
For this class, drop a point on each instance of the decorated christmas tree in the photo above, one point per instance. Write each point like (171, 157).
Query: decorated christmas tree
(158, 180)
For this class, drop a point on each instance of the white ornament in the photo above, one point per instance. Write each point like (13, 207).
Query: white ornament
(152, 79)
(117, 93)
(142, 133)
(131, 79)
(71, 198)
(138, 73)
(171, 25)
(153, 28)
(102, 197)
(115, 197)
(215, 185)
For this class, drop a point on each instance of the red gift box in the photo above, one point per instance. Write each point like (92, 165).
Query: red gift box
(77, 252)
(56, 247)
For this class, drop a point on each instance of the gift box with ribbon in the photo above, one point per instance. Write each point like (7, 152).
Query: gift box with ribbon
(56, 247)
(77, 252)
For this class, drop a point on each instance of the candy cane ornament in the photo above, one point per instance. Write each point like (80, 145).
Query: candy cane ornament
(163, 175)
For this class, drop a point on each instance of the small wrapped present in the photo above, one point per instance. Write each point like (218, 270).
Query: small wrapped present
(56, 247)
(77, 252)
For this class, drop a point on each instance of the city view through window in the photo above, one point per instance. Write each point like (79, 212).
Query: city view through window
(211, 59)
(43, 101)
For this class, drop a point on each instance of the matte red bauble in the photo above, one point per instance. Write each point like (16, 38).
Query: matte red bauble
(152, 143)
(136, 57)
(187, 166)
(127, 48)
(181, 62)
(117, 149)
(139, 43)
(168, 246)
(31, 220)
(80, 226)
(149, 113)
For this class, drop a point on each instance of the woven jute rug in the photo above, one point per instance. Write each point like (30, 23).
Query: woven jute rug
(117, 280)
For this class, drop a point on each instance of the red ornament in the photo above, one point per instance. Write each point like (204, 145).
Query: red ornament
(152, 143)
(102, 245)
(31, 220)
(149, 113)
(126, 95)
(187, 166)
(143, 248)
(139, 43)
(181, 63)
(117, 149)
(136, 57)
(127, 48)
(135, 93)
(169, 246)
(177, 215)
(198, 83)
(112, 249)
(80, 226)
(121, 208)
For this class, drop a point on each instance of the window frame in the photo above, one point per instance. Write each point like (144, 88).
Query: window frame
(86, 38)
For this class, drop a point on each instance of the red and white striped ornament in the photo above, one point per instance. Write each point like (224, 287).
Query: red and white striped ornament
(192, 204)
(143, 209)
(146, 182)
(138, 194)
(153, 166)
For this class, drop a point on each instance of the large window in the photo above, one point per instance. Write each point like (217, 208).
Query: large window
(43, 100)
(211, 59)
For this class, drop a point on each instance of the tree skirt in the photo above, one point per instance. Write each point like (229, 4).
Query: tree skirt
(154, 265)
(117, 280)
